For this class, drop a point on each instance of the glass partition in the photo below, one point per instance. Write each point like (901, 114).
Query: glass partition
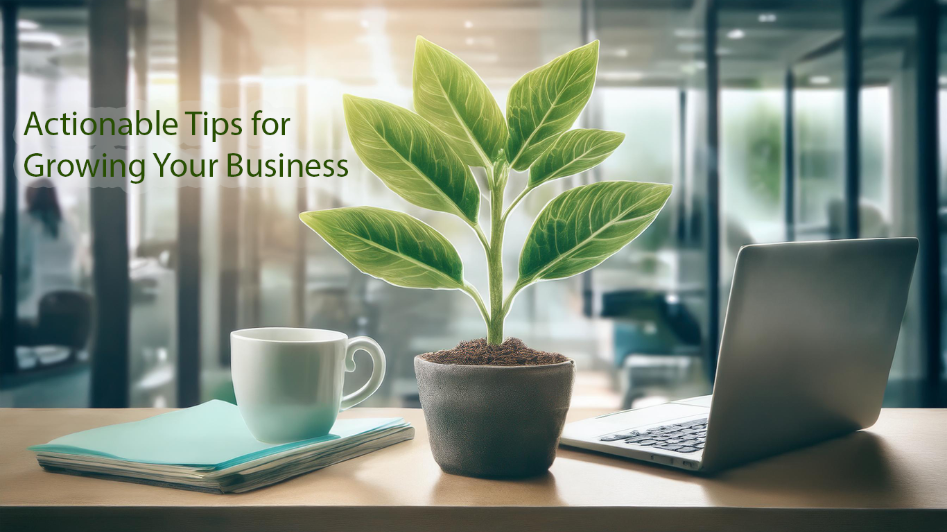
(54, 261)
(153, 216)
(742, 109)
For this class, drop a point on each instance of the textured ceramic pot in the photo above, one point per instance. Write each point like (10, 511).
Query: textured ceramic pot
(494, 421)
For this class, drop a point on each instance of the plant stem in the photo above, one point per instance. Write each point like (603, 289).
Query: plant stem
(501, 172)
(516, 202)
(509, 298)
(472, 292)
(482, 237)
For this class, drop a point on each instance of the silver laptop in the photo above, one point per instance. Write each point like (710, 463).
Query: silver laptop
(807, 344)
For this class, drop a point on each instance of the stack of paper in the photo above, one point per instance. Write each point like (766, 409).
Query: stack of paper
(209, 448)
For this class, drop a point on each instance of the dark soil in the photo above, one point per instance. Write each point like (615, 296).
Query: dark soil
(512, 352)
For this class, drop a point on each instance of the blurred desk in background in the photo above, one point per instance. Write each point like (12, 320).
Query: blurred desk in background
(891, 477)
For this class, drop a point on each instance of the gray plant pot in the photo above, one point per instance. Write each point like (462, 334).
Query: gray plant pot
(494, 421)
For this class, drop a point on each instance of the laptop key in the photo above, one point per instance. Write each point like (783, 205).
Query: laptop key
(620, 435)
(686, 437)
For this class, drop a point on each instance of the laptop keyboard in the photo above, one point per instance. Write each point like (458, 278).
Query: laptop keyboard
(686, 437)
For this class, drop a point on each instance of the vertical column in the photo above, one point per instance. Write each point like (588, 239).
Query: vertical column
(302, 189)
(929, 257)
(682, 227)
(302, 195)
(851, 41)
(10, 193)
(253, 201)
(139, 24)
(139, 27)
(789, 154)
(108, 206)
(230, 214)
(189, 210)
(587, 33)
(712, 208)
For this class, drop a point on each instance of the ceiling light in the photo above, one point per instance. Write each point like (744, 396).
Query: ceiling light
(621, 76)
(689, 47)
(41, 38)
(468, 24)
(820, 80)
(736, 34)
(767, 17)
(693, 67)
(474, 58)
(163, 76)
(364, 23)
(24, 24)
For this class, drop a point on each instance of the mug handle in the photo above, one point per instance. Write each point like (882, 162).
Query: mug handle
(364, 343)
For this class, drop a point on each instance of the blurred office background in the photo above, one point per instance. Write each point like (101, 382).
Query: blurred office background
(775, 120)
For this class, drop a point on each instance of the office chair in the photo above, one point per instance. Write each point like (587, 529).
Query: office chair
(64, 319)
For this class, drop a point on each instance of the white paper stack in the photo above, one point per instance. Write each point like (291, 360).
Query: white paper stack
(209, 448)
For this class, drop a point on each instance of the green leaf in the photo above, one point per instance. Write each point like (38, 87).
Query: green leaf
(546, 101)
(390, 245)
(574, 152)
(451, 96)
(410, 156)
(584, 226)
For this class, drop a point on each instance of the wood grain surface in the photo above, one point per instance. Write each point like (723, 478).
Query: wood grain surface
(890, 477)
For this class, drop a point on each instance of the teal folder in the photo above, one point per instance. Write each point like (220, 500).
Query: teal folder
(210, 447)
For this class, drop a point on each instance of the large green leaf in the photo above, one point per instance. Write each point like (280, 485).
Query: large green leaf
(584, 226)
(390, 245)
(451, 96)
(546, 101)
(410, 156)
(574, 152)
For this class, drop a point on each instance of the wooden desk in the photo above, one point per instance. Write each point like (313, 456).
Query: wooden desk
(891, 477)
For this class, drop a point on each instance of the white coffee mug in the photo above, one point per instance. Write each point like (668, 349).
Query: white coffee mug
(288, 381)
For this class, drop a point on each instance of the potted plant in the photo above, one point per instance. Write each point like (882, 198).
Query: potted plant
(494, 408)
